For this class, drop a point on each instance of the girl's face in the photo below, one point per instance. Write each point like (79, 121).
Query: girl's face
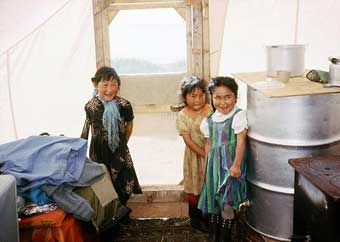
(107, 89)
(195, 100)
(224, 99)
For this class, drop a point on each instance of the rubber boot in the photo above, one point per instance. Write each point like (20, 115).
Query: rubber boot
(204, 222)
(196, 219)
(213, 227)
(193, 220)
(225, 230)
(120, 214)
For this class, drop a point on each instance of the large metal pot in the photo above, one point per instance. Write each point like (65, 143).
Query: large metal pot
(285, 58)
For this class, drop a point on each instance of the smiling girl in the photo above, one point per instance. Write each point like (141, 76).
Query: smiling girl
(194, 96)
(111, 120)
(225, 181)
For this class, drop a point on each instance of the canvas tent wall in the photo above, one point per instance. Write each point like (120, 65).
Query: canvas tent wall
(47, 52)
(252, 24)
(47, 57)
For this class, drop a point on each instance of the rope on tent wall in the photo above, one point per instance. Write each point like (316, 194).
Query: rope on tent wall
(10, 95)
(7, 53)
(37, 28)
(297, 21)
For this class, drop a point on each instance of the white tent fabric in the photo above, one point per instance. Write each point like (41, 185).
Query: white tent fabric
(47, 59)
(217, 14)
(319, 23)
(47, 53)
(252, 24)
(19, 18)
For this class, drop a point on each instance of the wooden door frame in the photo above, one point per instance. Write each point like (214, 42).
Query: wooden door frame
(159, 200)
(194, 12)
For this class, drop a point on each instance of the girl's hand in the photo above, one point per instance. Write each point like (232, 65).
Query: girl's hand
(235, 171)
(203, 176)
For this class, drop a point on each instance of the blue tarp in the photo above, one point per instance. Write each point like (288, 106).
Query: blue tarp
(39, 160)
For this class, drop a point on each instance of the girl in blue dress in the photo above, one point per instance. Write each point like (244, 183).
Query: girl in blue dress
(225, 176)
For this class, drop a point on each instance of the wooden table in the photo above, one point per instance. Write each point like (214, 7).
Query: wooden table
(296, 86)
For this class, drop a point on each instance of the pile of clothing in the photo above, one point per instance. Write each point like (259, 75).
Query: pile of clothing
(53, 171)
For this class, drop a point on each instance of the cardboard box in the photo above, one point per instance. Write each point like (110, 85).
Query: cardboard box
(102, 198)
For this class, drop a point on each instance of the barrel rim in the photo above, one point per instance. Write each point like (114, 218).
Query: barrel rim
(272, 188)
(292, 142)
(264, 234)
(287, 46)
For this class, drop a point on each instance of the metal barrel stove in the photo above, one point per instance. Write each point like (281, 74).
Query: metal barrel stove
(281, 129)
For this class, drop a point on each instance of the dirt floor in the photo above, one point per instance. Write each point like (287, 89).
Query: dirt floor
(176, 230)
(159, 230)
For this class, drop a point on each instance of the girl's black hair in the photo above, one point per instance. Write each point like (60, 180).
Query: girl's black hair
(223, 81)
(105, 73)
(189, 84)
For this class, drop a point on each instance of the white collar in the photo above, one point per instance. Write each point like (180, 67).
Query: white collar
(220, 117)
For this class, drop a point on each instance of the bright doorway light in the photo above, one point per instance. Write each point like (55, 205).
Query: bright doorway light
(148, 41)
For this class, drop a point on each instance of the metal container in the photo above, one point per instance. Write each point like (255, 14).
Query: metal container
(285, 58)
(8, 206)
(334, 71)
(281, 129)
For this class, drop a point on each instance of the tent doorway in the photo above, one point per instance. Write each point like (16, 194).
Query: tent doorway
(155, 146)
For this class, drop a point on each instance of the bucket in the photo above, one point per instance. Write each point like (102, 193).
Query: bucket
(289, 58)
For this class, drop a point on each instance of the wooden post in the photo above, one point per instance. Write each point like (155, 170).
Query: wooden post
(206, 41)
(189, 39)
(102, 39)
(197, 41)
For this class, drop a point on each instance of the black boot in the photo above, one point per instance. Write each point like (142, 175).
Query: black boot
(196, 219)
(120, 214)
(225, 230)
(213, 227)
(204, 222)
(193, 219)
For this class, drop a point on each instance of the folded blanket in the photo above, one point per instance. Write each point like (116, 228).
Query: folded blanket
(39, 160)
(71, 202)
